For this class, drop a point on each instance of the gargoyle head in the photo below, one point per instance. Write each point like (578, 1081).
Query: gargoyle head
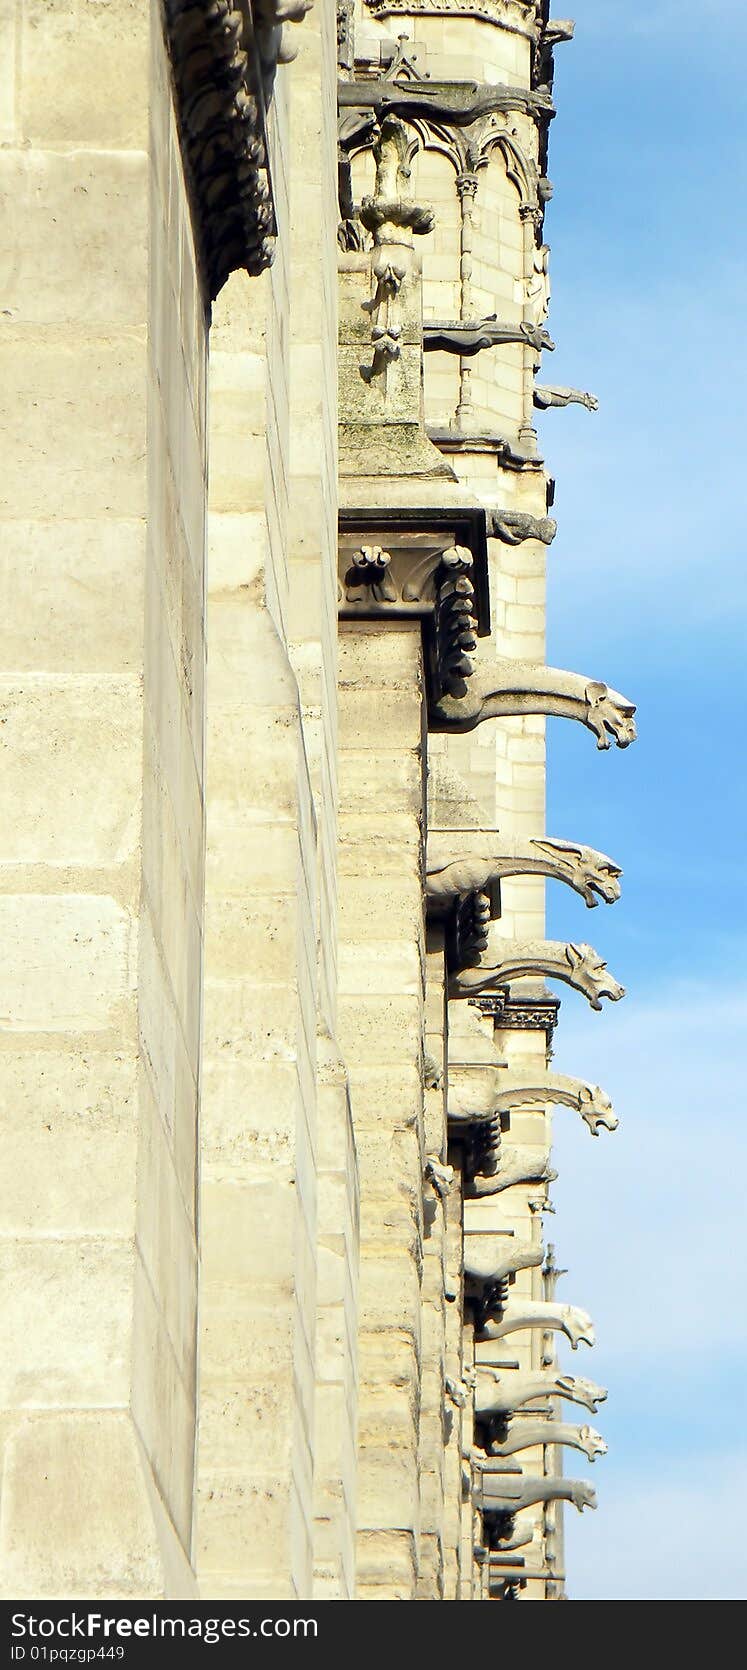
(578, 1327)
(574, 1386)
(596, 1109)
(609, 715)
(592, 874)
(590, 975)
(592, 1443)
(582, 1495)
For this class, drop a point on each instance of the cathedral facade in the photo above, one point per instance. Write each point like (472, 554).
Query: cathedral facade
(278, 1001)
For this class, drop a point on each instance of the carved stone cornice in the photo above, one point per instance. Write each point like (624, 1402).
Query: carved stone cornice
(420, 564)
(456, 104)
(520, 1014)
(224, 54)
(505, 451)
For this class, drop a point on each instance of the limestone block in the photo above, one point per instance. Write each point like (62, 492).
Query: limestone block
(69, 1146)
(59, 106)
(72, 725)
(76, 1516)
(53, 210)
(73, 467)
(163, 1393)
(66, 1319)
(67, 964)
(61, 577)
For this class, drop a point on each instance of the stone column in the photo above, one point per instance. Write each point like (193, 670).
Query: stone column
(381, 1018)
(102, 385)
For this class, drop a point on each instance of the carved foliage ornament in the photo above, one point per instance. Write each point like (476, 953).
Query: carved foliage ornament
(223, 56)
(437, 582)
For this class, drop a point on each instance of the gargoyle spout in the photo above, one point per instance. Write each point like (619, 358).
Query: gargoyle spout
(529, 1491)
(519, 1165)
(498, 1393)
(517, 1314)
(468, 863)
(579, 966)
(489, 1269)
(525, 1434)
(528, 1088)
(498, 689)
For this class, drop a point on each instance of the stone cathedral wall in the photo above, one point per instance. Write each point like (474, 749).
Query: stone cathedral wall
(243, 1220)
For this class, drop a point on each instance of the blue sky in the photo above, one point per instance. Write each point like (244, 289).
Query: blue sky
(647, 591)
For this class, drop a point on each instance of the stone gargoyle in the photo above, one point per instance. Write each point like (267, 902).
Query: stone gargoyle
(532, 1088)
(517, 1165)
(451, 872)
(499, 1393)
(546, 1314)
(554, 396)
(524, 1493)
(579, 966)
(501, 689)
(486, 1269)
(526, 1434)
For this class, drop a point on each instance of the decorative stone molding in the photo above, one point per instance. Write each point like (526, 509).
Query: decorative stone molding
(506, 452)
(525, 1434)
(468, 337)
(500, 1394)
(427, 565)
(519, 1314)
(514, 526)
(390, 214)
(579, 966)
(500, 689)
(546, 397)
(461, 862)
(224, 54)
(520, 1014)
(451, 104)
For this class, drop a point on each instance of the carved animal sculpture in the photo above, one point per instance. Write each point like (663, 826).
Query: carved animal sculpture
(529, 1491)
(519, 1165)
(553, 396)
(526, 1434)
(486, 1269)
(529, 1088)
(579, 966)
(502, 1393)
(590, 873)
(498, 689)
(546, 1314)
(514, 526)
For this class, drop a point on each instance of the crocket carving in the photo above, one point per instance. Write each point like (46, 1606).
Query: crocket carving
(498, 689)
